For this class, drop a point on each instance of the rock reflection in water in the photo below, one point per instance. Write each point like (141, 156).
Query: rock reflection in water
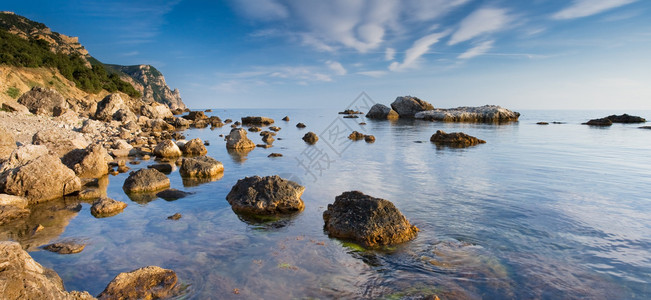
(196, 181)
(269, 222)
(239, 155)
(46, 222)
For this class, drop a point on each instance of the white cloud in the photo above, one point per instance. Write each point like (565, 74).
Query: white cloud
(420, 47)
(477, 50)
(584, 8)
(389, 54)
(264, 10)
(374, 74)
(336, 67)
(482, 21)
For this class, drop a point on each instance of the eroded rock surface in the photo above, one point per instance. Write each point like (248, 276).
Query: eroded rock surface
(145, 180)
(483, 114)
(266, 195)
(150, 282)
(455, 139)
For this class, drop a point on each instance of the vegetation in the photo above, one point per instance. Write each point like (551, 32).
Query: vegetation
(34, 53)
(13, 92)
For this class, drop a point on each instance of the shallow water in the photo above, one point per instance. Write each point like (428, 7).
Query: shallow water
(556, 211)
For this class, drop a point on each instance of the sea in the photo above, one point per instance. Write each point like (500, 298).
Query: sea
(558, 211)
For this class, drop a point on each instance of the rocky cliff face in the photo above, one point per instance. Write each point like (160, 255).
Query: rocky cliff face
(144, 78)
(151, 84)
(27, 28)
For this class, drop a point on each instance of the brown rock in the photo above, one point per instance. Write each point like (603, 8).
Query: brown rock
(167, 148)
(455, 139)
(145, 283)
(201, 166)
(175, 216)
(145, 180)
(266, 195)
(310, 138)
(300, 125)
(369, 138)
(408, 106)
(58, 141)
(260, 121)
(91, 162)
(367, 220)
(194, 147)
(107, 207)
(65, 247)
(44, 101)
(7, 144)
(382, 112)
(238, 140)
(356, 136)
(275, 155)
(286, 119)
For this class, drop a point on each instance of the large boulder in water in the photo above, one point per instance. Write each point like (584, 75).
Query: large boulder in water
(91, 162)
(167, 148)
(238, 140)
(194, 147)
(32, 172)
(481, 114)
(44, 101)
(382, 112)
(145, 283)
(201, 166)
(626, 118)
(23, 278)
(367, 220)
(145, 180)
(455, 139)
(408, 106)
(266, 195)
(260, 121)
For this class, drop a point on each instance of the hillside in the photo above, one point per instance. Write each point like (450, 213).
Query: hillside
(28, 44)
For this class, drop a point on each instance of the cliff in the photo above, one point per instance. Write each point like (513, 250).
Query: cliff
(149, 82)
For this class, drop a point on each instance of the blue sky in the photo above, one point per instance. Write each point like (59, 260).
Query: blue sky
(537, 54)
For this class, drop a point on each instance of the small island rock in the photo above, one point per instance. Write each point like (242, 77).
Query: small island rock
(266, 195)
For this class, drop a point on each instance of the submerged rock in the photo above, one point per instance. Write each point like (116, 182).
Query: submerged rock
(163, 168)
(65, 247)
(455, 139)
(12, 208)
(201, 166)
(172, 194)
(310, 138)
(408, 106)
(175, 216)
(23, 278)
(238, 140)
(382, 112)
(145, 283)
(367, 220)
(266, 195)
(599, 122)
(485, 114)
(275, 155)
(145, 180)
(32, 172)
(107, 207)
(609, 120)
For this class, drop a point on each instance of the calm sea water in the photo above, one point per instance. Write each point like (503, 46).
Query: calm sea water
(556, 211)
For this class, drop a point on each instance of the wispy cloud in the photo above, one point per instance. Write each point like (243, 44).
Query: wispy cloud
(477, 50)
(420, 47)
(374, 74)
(336, 67)
(265, 10)
(389, 54)
(584, 8)
(482, 21)
(132, 53)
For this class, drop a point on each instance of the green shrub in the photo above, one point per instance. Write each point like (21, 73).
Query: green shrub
(35, 53)
(13, 92)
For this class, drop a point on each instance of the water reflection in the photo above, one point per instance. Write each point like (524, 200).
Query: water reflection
(196, 181)
(239, 155)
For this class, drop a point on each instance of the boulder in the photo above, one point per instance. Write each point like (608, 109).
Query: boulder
(44, 101)
(367, 220)
(351, 112)
(310, 138)
(275, 155)
(65, 247)
(33, 173)
(266, 195)
(195, 116)
(108, 108)
(23, 278)
(156, 110)
(300, 125)
(455, 139)
(201, 166)
(356, 136)
(158, 125)
(381, 112)
(179, 122)
(175, 217)
(260, 121)
(145, 283)
(369, 138)
(163, 168)
(7, 144)
(107, 207)
(599, 122)
(125, 115)
(194, 147)
(13, 106)
(60, 141)
(626, 118)
(274, 128)
(481, 114)
(145, 180)
(408, 106)
(91, 162)
(238, 140)
(286, 119)
(120, 148)
(167, 148)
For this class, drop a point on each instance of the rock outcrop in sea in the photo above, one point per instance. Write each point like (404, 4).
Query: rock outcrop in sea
(266, 196)
(455, 139)
(481, 114)
(408, 106)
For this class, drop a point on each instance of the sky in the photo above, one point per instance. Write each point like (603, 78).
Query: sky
(536, 54)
